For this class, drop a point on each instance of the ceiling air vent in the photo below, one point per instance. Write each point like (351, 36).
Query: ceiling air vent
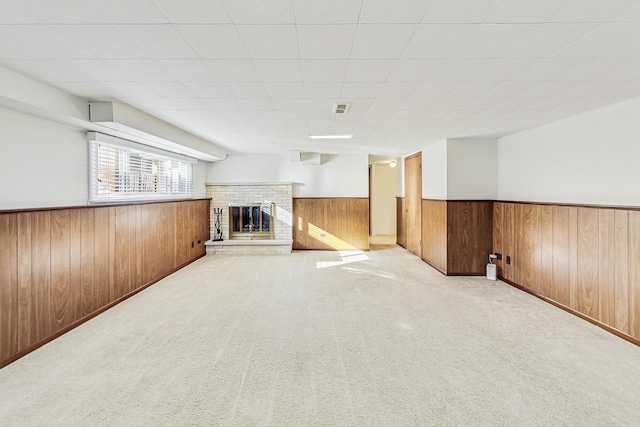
(340, 108)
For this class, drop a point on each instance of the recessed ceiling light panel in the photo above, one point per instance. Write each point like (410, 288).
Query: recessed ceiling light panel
(330, 136)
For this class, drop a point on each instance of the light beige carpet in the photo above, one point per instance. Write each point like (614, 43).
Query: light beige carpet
(316, 338)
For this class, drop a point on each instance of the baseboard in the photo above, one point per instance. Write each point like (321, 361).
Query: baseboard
(568, 309)
(440, 270)
(467, 274)
(435, 267)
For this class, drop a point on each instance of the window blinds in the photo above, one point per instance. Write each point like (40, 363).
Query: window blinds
(122, 172)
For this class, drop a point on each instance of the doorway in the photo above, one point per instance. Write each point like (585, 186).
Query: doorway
(413, 202)
(383, 189)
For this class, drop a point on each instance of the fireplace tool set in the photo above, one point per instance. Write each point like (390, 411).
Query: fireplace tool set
(217, 235)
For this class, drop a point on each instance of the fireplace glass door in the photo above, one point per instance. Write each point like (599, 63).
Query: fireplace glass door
(251, 221)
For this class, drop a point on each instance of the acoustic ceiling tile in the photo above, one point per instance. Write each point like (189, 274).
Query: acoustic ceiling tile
(214, 41)
(234, 70)
(527, 11)
(369, 70)
(270, 41)
(325, 41)
(392, 11)
(492, 41)
(381, 41)
(188, 70)
(260, 11)
(279, 70)
(197, 12)
(414, 70)
(437, 40)
(322, 12)
(460, 11)
(324, 70)
(157, 41)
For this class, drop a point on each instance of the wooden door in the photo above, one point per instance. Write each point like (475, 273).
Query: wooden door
(413, 202)
(370, 204)
(401, 222)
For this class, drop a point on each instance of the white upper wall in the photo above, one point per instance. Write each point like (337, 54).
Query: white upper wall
(472, 169)
(434, 170)
(400, 178)
(44, 164)
(460, 169)
(43, 145)
(593, 158)
(17, 89)
(199, 187)
(41, 164)
(343, 175)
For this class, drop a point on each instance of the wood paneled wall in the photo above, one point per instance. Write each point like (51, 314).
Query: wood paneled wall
(331, 223)
(584, 258)
(457, 235)
(60, 267)
(469, 236)
(413, 202)
(434, 233)
(401, 223)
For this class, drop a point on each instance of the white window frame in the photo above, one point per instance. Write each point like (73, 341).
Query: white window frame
(177, 181)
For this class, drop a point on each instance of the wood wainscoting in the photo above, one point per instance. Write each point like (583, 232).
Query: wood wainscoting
(457, 235)
(469, 236)
(60, 267)
(331, 223)
(401, 223)
(434, 234)
(583, 259)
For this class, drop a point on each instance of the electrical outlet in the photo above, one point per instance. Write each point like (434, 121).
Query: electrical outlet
(498, 256)
(508, 259)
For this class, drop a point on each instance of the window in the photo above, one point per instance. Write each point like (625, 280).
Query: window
(126, 171)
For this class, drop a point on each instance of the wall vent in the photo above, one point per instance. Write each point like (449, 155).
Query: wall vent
(340, 108)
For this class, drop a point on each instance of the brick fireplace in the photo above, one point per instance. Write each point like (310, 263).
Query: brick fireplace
(226, 195)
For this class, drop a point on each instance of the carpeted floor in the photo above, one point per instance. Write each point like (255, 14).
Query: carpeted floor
(321, 338)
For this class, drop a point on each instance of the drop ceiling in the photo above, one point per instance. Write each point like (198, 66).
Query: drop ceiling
(256, 76)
